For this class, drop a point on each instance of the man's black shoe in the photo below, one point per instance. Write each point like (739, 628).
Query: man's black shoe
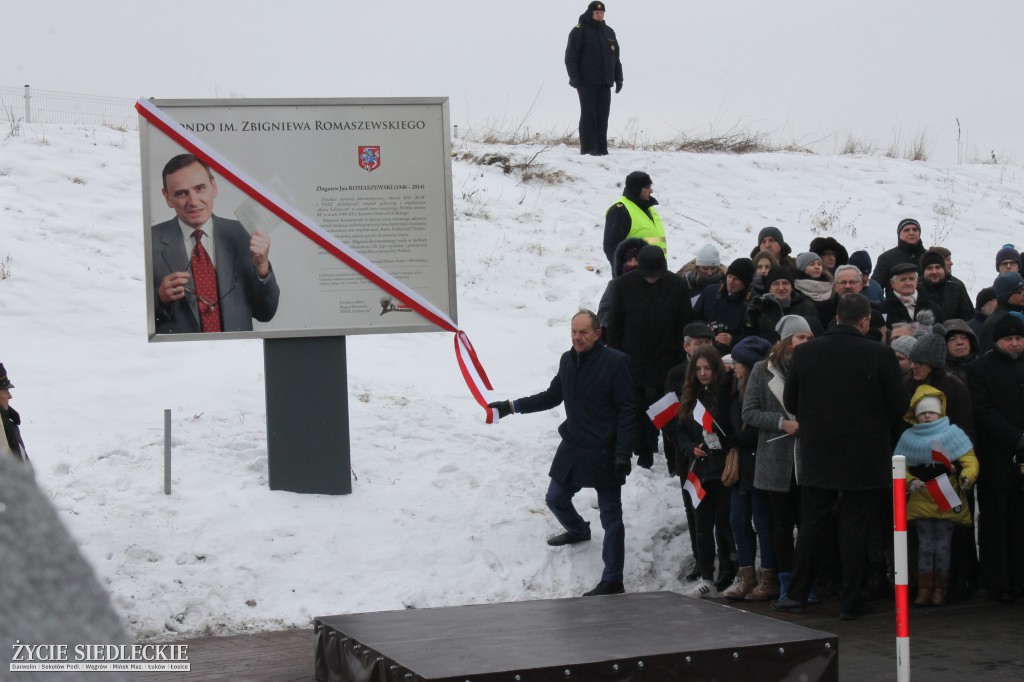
(605, 587)
(694, 572)
(788, 605)
(566, 539)
(855, 612)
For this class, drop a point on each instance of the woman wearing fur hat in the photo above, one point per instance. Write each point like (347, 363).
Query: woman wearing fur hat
(777, 432)
(932, 432)
(833, 254)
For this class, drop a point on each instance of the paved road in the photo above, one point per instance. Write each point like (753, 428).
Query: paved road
(973, 641)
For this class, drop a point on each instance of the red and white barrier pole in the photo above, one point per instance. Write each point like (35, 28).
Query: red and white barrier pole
(899, 543)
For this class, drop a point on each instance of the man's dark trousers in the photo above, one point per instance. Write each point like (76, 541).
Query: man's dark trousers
(609, 501)
(595, 105)
(857, 512)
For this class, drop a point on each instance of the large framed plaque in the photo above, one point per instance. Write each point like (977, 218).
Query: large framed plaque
(373, 173)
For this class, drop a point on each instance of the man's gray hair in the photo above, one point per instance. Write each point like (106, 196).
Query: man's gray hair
(844, 268)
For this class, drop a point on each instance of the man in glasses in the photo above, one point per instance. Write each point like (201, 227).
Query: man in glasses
(209, 273)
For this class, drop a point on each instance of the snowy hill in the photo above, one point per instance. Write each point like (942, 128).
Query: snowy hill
(445, 509)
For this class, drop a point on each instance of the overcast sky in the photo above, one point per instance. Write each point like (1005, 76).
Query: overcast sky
(802, 70)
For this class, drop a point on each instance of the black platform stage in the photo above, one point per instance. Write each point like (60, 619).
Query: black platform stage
(643, 636)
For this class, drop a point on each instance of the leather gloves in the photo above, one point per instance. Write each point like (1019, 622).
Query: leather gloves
(622, 468)
(618, 87)
(503, 407)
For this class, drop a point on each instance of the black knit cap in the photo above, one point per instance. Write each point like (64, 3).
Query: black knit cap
(770, 231)
(932, 258)
(5, 383)
(638, 180)
(595, 7)
(984, 296)
(778, 272)
(742, 269)
(904, 223)
(1011, 324)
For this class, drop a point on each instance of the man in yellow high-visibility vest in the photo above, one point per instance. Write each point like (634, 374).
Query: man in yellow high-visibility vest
(633, 215)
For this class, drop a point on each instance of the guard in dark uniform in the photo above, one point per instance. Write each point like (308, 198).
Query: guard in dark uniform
(592, 60)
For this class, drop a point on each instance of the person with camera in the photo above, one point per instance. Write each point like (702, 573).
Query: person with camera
(723, 305)
(996, 381)
(764, 312)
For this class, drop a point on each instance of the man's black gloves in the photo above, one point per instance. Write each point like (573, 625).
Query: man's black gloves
(503, 407)
(622, 468)
(618, 87)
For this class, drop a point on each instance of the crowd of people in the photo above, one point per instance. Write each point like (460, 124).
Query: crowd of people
(817, 368)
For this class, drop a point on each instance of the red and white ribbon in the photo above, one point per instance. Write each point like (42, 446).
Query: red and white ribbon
(472, 371)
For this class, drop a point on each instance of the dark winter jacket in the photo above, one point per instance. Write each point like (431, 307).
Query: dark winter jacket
(997, 389)
(744, 439)
(11, 421)
(901, 253)
(895, 311)
(646, 323)
(597, 389)
(985, 335)
(951, 298)
(698, 281)
(763, 315)
(718, 401)
(617, 222)
(604, 307)
(724, 312)
(592, 54)
(846, 392)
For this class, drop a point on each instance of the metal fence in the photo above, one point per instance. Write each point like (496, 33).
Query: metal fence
(32, 105)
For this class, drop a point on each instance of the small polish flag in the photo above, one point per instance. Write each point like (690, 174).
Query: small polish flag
(665, 410)
(692, 485)
(943, 493)
(703, 417)
(939, 456)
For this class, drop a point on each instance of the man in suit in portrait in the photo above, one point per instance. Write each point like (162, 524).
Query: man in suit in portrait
(209, 273)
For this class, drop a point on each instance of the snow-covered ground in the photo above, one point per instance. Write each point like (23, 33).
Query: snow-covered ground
(445, 509)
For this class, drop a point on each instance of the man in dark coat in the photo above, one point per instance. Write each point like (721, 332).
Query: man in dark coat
(845, 390)
(596, 385)
(997, 389)
(770, 239)
(948, 294)
(1009, 290)
(908, 249)
(724, 306)
(905, 299)
(593, 63)
(650, 308)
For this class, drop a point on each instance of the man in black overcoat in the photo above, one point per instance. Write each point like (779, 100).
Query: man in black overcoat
(650, 309)
(996, 380)
(596, 385)
(845, 390)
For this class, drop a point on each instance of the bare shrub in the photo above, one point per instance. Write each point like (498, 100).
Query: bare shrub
(5, 267)
(852, 145)
(828, 219)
